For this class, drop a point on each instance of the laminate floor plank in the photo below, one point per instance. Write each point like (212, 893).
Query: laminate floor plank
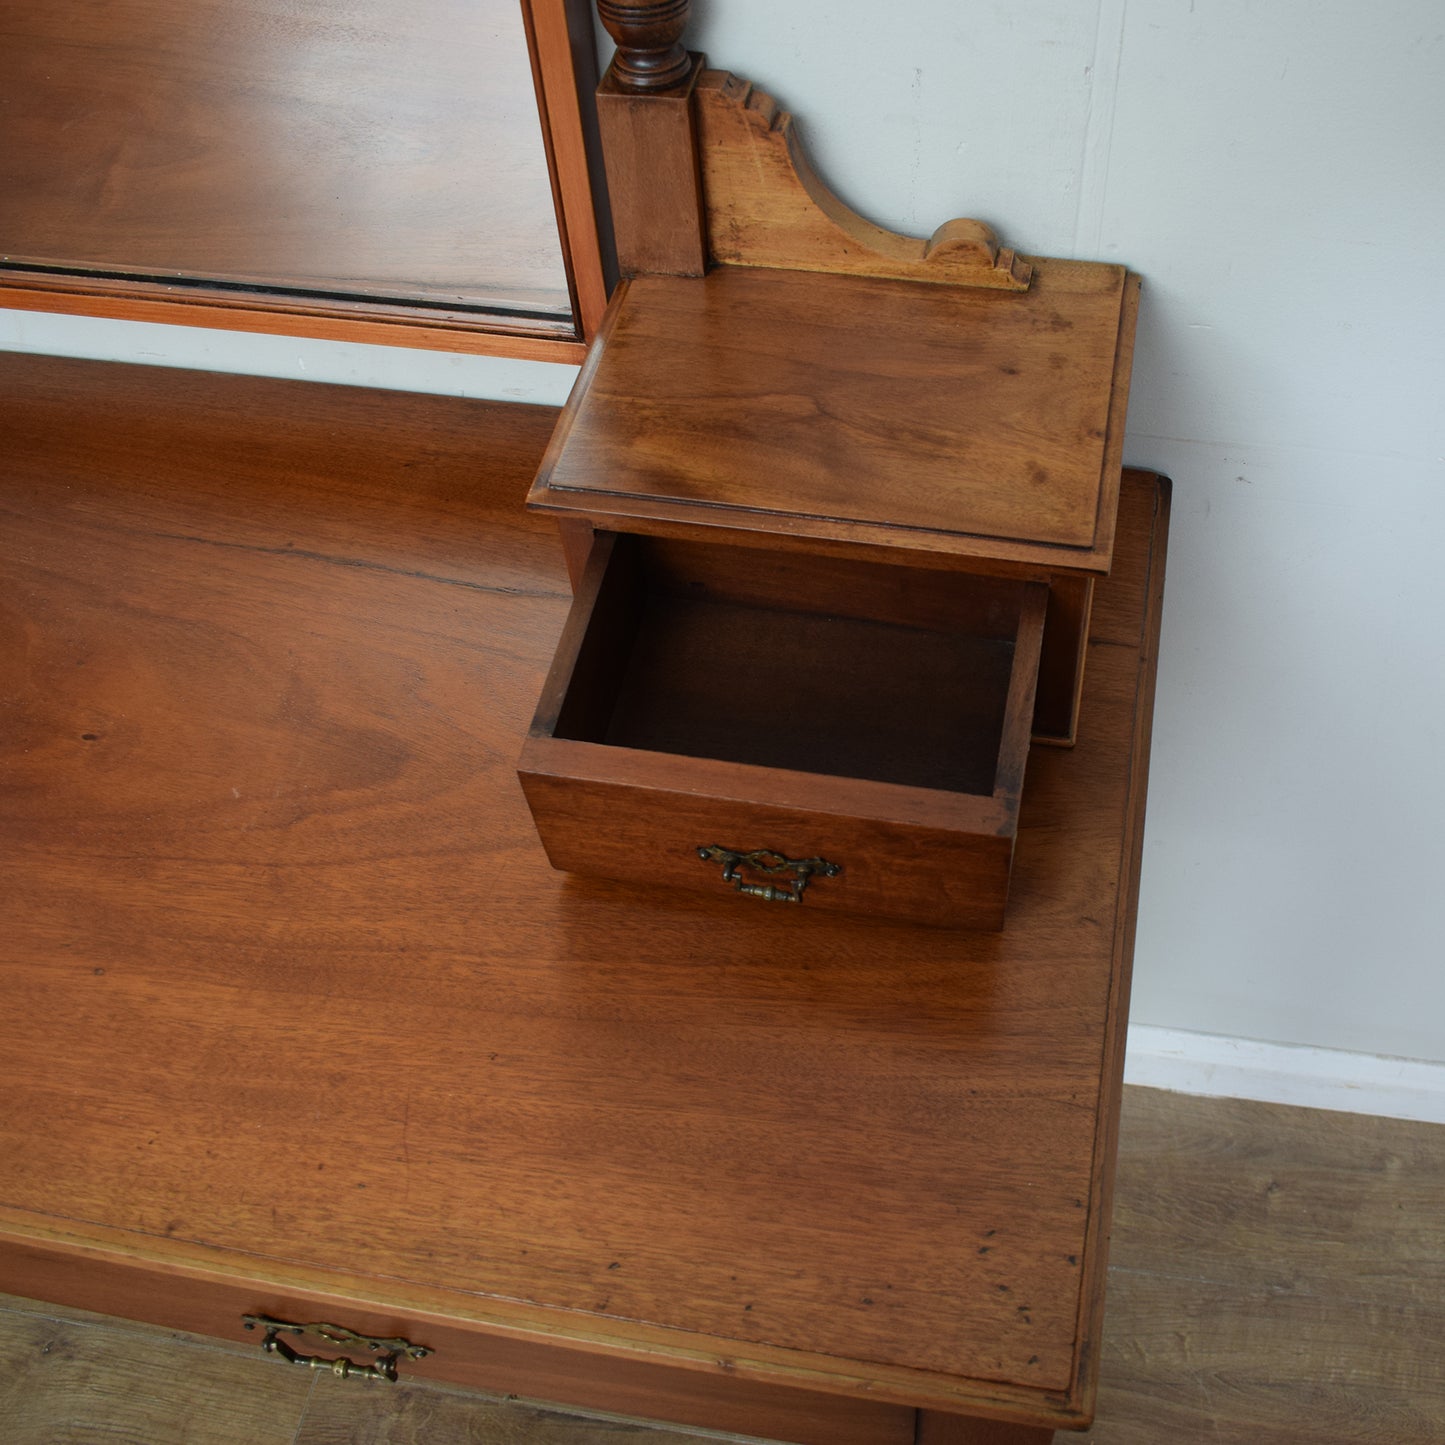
(1190, 1360)
(410, 1414)
(1275, 1277)
(1341, 1206)
(71, 1379)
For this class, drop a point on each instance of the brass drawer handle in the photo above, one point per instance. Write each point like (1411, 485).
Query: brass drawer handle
(788, 877)
(387, 1351)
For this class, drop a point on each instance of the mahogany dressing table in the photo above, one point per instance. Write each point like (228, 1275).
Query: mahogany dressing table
(304, 1028)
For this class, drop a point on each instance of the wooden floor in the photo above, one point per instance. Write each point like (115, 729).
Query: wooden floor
(1278, 1278)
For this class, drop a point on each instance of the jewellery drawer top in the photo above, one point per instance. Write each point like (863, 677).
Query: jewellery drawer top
(978, 425)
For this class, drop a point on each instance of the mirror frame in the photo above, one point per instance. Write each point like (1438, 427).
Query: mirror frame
(562, 45)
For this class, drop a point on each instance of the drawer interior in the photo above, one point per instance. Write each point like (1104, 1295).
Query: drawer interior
(808, 663)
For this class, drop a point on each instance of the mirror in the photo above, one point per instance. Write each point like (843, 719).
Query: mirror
(318, 165)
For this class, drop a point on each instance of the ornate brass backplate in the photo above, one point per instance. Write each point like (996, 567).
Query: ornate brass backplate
(786, 878)
(387, 1351)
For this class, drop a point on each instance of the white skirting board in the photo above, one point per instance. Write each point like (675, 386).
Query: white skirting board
(1222, 1067)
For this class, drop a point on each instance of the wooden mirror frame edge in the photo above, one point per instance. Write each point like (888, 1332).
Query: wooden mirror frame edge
(559, 37)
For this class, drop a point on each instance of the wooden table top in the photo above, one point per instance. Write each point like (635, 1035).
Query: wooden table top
(290, 984)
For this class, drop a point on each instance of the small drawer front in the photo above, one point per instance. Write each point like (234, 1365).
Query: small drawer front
(671, 837)
(799, 732)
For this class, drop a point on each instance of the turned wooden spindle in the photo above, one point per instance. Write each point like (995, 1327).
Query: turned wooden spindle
(648, 33)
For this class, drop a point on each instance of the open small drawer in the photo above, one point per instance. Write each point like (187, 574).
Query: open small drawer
(797, 728)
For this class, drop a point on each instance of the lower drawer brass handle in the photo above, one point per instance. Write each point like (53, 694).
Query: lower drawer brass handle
(786, 877)
(388, 1351)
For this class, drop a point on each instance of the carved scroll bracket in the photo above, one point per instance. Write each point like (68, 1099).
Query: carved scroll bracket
(702, 169)
(766, 206)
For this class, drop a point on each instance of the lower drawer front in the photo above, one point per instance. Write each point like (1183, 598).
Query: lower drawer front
(647, 833)
(460, 1353)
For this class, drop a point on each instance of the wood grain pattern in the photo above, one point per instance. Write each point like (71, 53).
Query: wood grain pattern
(329, 1017)
(654, 185)
(799, 406)
(766, 206)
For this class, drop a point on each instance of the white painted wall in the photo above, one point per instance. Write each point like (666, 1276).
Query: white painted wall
(1277, 173)
(198, 348)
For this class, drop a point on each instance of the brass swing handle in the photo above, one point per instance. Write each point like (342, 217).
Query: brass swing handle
(787, 877)
(388, 1351)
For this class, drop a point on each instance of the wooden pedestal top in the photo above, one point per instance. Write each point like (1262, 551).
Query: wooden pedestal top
(292, 993)
(960, 422)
